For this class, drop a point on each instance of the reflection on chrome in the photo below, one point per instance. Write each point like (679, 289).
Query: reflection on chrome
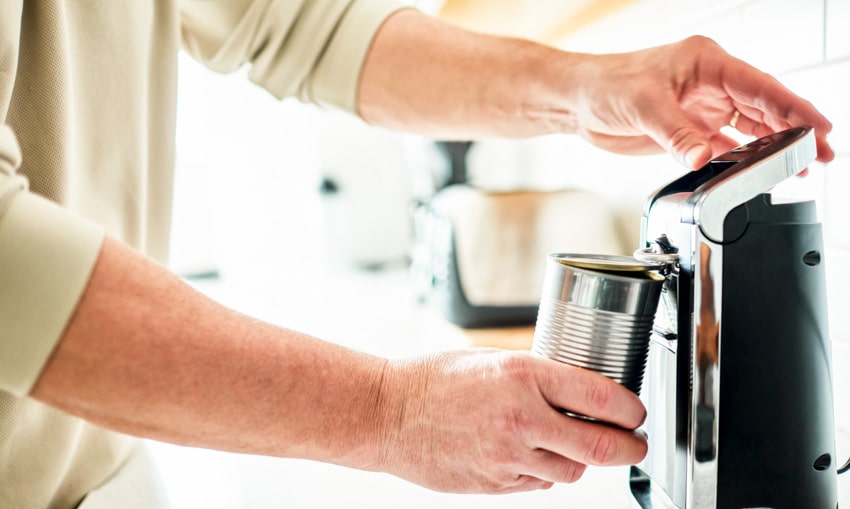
(702, 453)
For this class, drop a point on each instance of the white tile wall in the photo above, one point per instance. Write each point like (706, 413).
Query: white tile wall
(775, 35)
(841, 396)
(652, 22)
(837, 33)
(826, 87)
(837, 263)
(837, 210)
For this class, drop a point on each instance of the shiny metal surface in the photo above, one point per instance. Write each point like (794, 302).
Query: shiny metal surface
(608, 263)
(647, 255)
(659, 396)
(597, 320)
(705, 369)
(758, 166)
(683, 420)
(646, 493)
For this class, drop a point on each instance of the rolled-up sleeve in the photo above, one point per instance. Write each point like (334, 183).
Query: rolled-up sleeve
(46, 257)
(310, 49)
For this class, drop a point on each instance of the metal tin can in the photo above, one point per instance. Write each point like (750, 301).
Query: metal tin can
(596, 312)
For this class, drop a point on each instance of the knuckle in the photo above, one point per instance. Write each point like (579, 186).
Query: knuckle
(603, 449)
(522, 422)
(680, 138)
(572, 472)
(516, 423)
(697, 42)
(599, 394)
(515, 366)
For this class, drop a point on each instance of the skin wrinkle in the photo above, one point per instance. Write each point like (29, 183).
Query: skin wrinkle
(201, 375)
(599, 396)
(603, 449)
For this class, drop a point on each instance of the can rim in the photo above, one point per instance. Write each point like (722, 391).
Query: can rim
(607, 263)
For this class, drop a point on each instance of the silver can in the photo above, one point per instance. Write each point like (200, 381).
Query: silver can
(596, 312)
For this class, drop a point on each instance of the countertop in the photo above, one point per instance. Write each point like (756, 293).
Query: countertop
(380, 313)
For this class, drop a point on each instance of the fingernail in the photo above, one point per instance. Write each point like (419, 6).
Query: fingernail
(695, 155)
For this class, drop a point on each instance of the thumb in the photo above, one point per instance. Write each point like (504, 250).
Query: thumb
(681, 137)
(695, 155)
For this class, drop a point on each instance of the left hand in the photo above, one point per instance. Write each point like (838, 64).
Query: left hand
(485, 421)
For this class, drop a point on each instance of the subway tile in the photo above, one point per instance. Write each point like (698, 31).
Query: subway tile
(754, 30)
(782, 34)
(841, 399)
(838, 271)
(728, 29)
(758, 32)
(654, 22)
(774, 35)
(837, 204)
(838, 294)
(826, 87)
(837, 34)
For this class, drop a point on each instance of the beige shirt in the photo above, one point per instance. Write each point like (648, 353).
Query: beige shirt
(87, 99)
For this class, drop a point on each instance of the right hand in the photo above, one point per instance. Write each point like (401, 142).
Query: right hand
(487, 422)
(678, 96)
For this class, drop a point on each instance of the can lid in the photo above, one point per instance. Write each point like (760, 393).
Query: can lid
(607, 263)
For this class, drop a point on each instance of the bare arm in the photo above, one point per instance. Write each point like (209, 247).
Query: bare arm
(427, 76)
(147, 355)
(437, 79)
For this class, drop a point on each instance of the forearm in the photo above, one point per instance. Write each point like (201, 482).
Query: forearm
(147, 355)
(426, 76)
(430, 77)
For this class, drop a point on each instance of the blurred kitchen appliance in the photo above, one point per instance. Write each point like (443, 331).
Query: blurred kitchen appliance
(738, 383)
(477, 251)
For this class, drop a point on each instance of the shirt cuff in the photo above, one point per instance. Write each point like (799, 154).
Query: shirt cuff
(337, 76)
(46, 257)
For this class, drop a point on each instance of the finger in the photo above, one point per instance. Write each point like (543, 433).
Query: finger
(627, 145)
(721, 144)
(754, 122)
(594, 443)
(750, 121)
(547, 465)
(587, 393)
(677, 134)
(644, 145)
(779, 108)
(772, 106)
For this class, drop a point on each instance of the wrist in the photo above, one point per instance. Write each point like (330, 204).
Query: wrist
(550, 94)
(401, 383)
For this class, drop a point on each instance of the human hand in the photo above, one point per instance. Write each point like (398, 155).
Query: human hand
(486, 421)
(677, 97)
